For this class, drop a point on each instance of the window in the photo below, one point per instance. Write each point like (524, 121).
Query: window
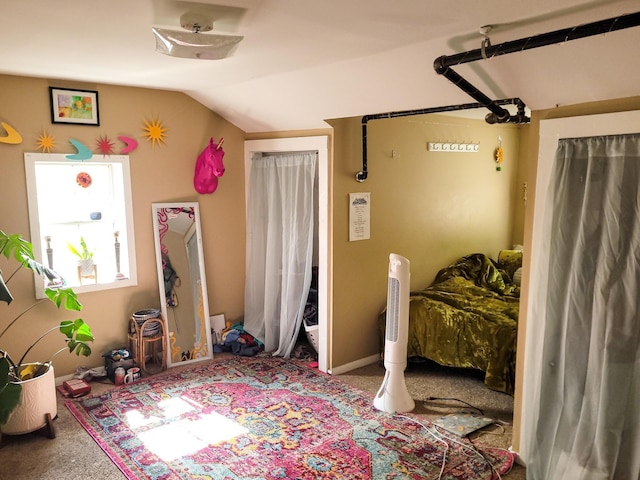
(81, 220)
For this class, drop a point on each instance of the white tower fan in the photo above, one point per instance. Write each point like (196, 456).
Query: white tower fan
(393, 396)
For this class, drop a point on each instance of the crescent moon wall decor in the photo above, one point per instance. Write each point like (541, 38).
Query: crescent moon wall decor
(12, 137)
(130, 143)
(83, 151)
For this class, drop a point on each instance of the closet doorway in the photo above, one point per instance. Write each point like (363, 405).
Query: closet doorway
(318, 144)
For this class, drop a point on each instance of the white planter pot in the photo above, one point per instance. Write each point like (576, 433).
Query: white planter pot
(38, 398)
(86, 268)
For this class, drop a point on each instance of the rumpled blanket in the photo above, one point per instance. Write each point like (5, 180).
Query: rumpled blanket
(468, 318)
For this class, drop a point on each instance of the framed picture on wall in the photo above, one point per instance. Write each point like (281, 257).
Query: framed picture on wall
(78, 107)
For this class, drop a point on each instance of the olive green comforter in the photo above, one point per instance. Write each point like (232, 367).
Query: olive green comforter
(468, 319)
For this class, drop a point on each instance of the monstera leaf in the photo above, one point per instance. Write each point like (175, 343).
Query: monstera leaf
(78, 334)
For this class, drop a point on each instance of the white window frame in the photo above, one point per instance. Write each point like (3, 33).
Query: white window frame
(37, 238)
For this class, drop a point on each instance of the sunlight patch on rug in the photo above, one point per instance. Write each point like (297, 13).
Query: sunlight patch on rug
(271, 419)
(186, 437)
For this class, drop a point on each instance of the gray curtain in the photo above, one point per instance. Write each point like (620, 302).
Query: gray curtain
(586, 412)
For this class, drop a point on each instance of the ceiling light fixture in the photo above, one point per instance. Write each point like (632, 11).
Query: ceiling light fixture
(194, 44)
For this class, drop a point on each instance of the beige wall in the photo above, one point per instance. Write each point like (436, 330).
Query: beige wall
(159, 174)
(429, 207)
(529, 176)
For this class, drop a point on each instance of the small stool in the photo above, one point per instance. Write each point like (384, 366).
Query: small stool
(148, 347)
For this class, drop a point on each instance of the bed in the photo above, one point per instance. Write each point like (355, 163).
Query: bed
(468, 317)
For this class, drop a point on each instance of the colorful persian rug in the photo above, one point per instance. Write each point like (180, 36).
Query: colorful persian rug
(269, 419)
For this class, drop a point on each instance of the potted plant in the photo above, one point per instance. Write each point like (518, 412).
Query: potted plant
(86, 266)
(15, 374)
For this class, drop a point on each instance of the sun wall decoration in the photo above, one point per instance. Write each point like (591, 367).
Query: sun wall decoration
(46, 142)
(499, 155)
(155, 132)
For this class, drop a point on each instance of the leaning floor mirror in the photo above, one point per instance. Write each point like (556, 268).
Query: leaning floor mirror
(182, 281)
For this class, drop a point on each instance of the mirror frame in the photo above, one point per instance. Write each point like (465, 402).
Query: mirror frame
(155, 207)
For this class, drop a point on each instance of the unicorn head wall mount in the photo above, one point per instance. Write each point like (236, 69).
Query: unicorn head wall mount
(209, 167)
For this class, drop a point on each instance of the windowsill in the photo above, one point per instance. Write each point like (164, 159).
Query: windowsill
(94, 287)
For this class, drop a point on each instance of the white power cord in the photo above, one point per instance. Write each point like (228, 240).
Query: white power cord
(439, 436)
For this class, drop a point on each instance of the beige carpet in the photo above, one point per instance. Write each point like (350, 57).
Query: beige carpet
(74, 455)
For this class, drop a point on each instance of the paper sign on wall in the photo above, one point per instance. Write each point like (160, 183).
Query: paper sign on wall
(359, 216)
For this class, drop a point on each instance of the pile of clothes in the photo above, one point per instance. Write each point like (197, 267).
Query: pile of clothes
(236, 340)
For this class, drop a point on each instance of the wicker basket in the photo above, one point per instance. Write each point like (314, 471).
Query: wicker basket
(142, 315)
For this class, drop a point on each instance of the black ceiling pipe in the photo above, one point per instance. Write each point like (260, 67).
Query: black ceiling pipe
(501, 114)
(542, 40)
(363, 174)
(442, 65)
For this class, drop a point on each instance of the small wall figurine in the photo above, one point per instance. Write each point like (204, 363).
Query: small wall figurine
(209, 167)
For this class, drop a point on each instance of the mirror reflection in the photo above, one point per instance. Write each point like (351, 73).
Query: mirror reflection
(181, 279)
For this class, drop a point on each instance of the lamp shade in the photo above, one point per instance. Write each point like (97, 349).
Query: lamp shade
(195, 45)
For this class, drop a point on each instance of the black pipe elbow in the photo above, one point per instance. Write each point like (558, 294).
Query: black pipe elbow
(492, 118)
(439, 65)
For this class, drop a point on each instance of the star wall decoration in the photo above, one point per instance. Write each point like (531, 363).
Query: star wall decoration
(155, 132)
(105, 145)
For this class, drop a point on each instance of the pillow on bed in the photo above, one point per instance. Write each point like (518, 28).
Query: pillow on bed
(517, 276)
(510, 261)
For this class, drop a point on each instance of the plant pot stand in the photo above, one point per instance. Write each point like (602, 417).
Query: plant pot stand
(147, 348)
(49, 431)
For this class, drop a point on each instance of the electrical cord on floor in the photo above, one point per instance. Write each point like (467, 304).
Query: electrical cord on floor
(455, 400)
(434, 435)
(441, 437)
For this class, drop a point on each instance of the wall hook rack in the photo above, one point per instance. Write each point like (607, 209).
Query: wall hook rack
(453, 147)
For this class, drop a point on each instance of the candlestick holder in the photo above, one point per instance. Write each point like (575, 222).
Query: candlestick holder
(119, 275)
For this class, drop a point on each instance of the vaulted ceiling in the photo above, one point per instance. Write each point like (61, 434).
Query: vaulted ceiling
(305, 61)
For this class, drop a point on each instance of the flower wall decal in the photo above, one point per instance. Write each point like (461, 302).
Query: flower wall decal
(84, 179)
